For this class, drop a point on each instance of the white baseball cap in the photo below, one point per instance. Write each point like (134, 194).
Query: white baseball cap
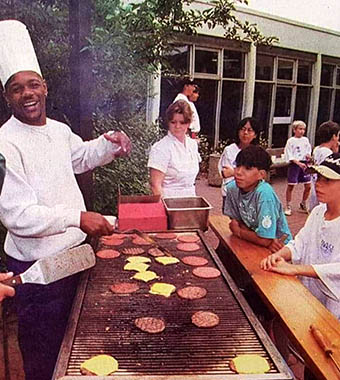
(16, 50)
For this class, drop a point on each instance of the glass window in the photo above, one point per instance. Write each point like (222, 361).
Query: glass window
(325, 100)
(285, 69)
(264, 67)
(179, 59)
(206, 106)
(336, 116)
(283, 101)
(233, 64)
(232, 98)
(262, 104)
(327, 75)
(304, 72)
(170, 87)
(302, 103)
(206, 61)
(279, 135)
(338, 76)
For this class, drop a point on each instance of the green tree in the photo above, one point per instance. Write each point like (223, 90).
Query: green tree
(128, 43)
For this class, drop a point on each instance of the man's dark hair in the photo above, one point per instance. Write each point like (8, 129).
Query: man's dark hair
(254, 157)
(253, 123)
(326, 131)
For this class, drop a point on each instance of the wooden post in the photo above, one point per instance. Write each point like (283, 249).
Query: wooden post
(81, 83)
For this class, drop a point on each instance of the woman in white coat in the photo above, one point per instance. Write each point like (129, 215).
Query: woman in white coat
(174, 160)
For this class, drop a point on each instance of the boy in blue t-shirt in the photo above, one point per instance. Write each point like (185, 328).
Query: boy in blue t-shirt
(254, 208)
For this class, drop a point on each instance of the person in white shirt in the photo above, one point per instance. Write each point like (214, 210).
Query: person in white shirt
(246, 134)
(41, 204)
(190, 93)
(327, 137)
(174, 160)
(314, 254)
(298, 153)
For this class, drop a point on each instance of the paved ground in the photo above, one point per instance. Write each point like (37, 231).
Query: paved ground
(213, 195)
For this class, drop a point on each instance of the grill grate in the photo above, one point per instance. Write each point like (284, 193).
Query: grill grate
(106, 323)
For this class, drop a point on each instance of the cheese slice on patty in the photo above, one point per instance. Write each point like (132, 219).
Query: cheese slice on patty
(138, 259)
(167, 260)
(249, 363)
(138, 267)
(100, 365)
(145, 276)
(162, 289)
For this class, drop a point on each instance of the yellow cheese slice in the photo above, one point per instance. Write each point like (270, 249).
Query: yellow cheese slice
(138, 267)
(138, 259)
(167, 260)
(145, 276)
(100, 365)
(250, 363)
(162, 289)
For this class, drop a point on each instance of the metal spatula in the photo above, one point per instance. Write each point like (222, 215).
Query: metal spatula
(54, 268)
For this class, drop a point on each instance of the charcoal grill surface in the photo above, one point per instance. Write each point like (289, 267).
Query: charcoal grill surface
(103, 322)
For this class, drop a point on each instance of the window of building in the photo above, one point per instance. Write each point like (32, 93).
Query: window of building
(282, 94)
(206, 61)
(329, 101)
(220, 73)
(264, 67)
(285, 69)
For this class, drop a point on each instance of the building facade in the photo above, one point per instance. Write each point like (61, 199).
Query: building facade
(297, 79)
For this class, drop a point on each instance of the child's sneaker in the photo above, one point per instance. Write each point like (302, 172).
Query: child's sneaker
(288, 211)
(303, 208)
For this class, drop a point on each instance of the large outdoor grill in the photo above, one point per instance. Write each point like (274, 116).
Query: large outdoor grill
(103, 322)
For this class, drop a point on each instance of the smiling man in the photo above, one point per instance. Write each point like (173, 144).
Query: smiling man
(41, 204)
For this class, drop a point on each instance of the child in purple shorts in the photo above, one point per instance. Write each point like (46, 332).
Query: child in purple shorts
(298, 153)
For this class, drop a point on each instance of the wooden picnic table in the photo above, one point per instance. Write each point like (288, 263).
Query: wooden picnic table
(286, 297)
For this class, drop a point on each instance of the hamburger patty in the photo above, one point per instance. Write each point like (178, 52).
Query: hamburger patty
(195, 261)
(192, 292)
(155, 252)
(205, 319)
(188, 238)
(124, 287)
(206, 272)
(188, 247)
(108, 254)
(150, 324)
(133, 251)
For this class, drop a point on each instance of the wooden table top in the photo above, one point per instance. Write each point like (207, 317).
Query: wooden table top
(287, 298)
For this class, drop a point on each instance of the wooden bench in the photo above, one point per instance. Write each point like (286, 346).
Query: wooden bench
(286, 298)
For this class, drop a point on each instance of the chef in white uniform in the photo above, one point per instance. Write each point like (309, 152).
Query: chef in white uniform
(174, 160)
(41, 204)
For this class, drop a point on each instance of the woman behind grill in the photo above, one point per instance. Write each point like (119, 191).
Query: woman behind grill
(174, 160)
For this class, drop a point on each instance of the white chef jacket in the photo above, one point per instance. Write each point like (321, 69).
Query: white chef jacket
(318, 244)
(195, 125)
(41, 202)
(179, 162)
(228, 158)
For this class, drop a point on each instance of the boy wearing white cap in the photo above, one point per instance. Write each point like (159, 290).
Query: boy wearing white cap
(314, 254)
(41, 204)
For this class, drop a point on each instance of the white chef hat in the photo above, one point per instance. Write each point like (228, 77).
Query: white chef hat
(16, 50)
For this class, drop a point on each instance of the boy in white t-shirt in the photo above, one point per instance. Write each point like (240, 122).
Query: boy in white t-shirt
(298, 153)
(314, 254)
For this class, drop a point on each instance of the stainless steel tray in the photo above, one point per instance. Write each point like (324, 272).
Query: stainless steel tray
(187, 213)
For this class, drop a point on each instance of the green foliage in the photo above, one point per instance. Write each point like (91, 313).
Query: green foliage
(127, 175)
(47, 23)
